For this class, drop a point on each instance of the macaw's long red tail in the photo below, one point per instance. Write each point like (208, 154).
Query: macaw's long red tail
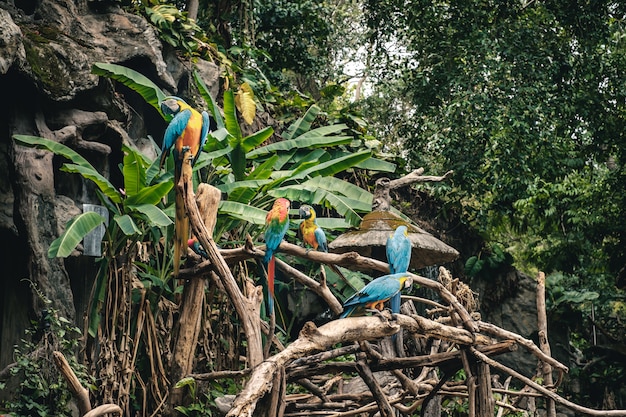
(271, 266)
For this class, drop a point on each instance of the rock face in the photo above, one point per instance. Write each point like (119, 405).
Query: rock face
(47, 49)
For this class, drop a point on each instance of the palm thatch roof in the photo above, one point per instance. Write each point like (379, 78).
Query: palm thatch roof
(370, 240)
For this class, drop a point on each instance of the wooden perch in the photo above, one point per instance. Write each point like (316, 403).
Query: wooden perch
(301, 361)
(416, 176)
(81, 393)
(248, 308)
(103, 410)
(470, 324)
(382, 199)
(312, 339)
(188, 329)
(546, 392)
(351, 260)
(544, 345)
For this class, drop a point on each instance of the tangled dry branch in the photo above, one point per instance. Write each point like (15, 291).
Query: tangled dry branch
(377, 377)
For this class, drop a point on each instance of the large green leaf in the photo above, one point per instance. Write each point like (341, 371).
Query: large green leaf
(91, 174)
(155, 215)
(263, 171)
(243, 212)
(75, 230)
(258, 178)
(306, 142)
(339, 186)
(345, 206)
(150, 195)
(333, 223)
(208, 98)
(238, 162)
(250, 142)
(245, 184)
(375, 164)
(303, 124)
(237, 156)
(54, 147)
(133, 80)
(322, 131)
(134, 171)
(335, 166)
(230, 116)
(127, 225)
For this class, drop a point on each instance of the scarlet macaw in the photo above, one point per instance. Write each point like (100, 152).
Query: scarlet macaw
(311, 233)
(277, 224)
(195, 246)
(186, 134)
(399, 256)
(374, 294)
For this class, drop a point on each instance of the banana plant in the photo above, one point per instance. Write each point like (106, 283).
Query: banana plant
(134, 211)
(252, 174)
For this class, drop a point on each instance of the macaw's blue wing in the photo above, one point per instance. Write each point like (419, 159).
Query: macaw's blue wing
(399, 250)
(173, 132)
(399, 257)
(320, 236)
(274, 234)
(378, 291)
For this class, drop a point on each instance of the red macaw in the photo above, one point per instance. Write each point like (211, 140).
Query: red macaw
(399, 256)
(374, 294)
(195, 246)
(186, 134)
(311, 233)
(277, 224)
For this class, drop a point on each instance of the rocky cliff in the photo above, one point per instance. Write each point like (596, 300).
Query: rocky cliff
(47, 49)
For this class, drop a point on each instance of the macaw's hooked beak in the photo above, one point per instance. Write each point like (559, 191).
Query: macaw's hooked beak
(305, 212)
(170, 106)
(409, 282)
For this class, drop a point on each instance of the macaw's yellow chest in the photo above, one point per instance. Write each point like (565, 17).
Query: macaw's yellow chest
(191, 135)
(307, 229)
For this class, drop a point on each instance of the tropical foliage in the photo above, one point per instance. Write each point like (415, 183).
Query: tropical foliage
(524, 101)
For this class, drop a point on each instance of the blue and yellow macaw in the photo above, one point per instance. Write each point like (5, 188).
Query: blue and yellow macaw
(186, 135)
(374, 294)
(398, 256)
(276, 225)
(311, 233)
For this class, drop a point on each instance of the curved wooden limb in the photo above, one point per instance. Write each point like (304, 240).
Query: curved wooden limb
(248, 308)
(496, 331)
(311, 340)
(416, 176)
(103, 410)
(466, 318)
(350, 260)
(546, 392)
(78, 391)
(368, 377)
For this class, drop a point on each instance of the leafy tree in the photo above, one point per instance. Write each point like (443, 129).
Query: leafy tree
(524, 100)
